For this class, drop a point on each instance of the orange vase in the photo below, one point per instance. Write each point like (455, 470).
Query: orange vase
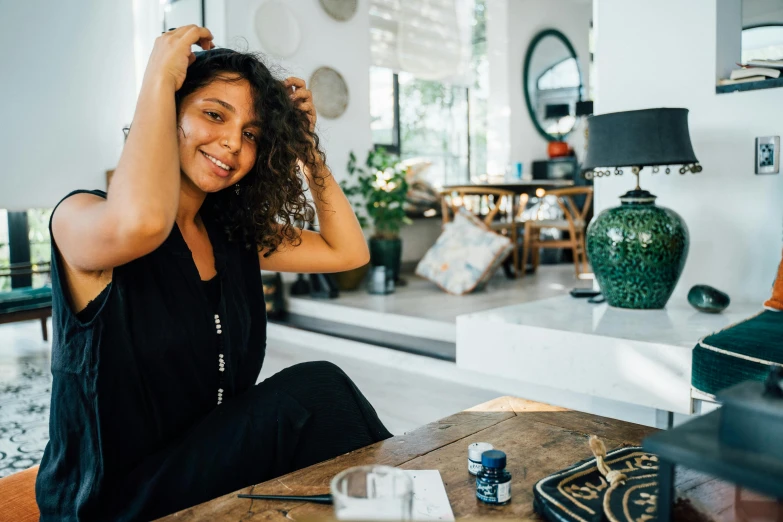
(557, 149)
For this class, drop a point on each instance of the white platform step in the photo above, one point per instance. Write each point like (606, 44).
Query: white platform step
(387, 322)
(429, 368)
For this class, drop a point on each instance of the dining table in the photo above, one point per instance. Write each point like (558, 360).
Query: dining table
(519, 187)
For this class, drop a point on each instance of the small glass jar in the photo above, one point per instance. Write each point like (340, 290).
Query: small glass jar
(381, 280)
(474, 455)
(372, 493)
(493, 482)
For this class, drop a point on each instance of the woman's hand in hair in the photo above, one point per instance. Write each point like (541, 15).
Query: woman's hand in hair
(302, 98)
(171, 54)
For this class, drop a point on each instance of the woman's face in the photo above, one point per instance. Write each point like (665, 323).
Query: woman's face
(218, 134)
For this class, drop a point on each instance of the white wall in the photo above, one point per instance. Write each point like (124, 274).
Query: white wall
(648, 57)
(68, 88)
(511, 27)
(343, 46)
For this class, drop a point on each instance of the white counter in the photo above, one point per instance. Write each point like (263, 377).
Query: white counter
(641, 357)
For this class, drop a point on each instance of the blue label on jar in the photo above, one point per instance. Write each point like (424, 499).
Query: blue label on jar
(493, 493)
(487, 492)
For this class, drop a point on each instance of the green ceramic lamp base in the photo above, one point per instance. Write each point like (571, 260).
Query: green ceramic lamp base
(637, 251)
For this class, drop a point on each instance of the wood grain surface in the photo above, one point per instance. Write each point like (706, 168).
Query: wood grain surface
(538, 439)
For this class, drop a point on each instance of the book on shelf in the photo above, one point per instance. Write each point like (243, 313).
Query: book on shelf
(773, 64)
(742, 80)
(747, 72)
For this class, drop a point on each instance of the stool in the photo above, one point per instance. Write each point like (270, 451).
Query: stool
(17, 497)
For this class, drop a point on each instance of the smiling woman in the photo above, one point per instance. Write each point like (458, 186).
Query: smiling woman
(159, 314)
(202, 118)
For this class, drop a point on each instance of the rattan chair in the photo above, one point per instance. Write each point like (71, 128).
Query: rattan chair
(574, 222)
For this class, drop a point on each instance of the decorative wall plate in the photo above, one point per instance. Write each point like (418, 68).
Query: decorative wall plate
(340, 10)
(330, 92)
(277, 29)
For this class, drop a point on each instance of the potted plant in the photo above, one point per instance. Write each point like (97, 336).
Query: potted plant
(377, 191)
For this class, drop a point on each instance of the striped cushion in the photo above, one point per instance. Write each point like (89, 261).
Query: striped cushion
(741, 352)
(21, 299)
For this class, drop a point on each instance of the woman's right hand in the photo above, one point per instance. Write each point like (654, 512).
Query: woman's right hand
(171, 54)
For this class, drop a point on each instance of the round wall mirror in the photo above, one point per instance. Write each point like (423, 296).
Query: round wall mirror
(552, 83)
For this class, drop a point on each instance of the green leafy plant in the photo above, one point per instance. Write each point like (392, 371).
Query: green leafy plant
(377, 191)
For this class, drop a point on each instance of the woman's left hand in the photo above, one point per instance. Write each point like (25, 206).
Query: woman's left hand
(302, 98)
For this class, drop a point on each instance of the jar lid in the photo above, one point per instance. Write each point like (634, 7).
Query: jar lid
(493, 459)
(477, 448)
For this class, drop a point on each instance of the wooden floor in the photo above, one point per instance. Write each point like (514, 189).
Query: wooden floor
(423, 299)
(403, 400)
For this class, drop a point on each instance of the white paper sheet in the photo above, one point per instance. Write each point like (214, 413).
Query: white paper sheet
(430, 501)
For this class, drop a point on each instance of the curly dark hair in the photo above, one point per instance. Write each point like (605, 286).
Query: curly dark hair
(272, 200)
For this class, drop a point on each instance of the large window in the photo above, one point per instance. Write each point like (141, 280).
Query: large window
(438, 122)
(5, 251)
(37, 235)
(478, 94)
(384, 109)
(40, 242)
(434, 126)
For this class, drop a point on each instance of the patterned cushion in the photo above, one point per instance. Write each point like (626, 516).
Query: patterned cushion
(465, 256)
(776, 301)
(581, 493)
(28, 298)
(741, 352)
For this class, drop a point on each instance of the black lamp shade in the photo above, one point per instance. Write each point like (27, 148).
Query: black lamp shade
(584, 108)
(556, 111)
(643, 138)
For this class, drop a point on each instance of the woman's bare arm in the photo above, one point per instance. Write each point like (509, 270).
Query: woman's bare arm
(339, 246)
(95, 234)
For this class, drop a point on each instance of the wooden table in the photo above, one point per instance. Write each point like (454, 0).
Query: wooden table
(539, 439)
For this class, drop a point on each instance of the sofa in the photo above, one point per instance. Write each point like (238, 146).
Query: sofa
(26, 303)
(742, 351)
(738, 353)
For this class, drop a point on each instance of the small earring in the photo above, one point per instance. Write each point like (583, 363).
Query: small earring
(225, 143)
(236, 189)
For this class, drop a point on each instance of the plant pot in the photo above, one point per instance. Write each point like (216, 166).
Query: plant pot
(351, 279)
(388, 253)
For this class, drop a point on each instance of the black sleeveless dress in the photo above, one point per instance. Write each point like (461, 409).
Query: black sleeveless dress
(155, 405)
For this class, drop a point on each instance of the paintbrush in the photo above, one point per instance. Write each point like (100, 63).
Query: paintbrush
(316, 499)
